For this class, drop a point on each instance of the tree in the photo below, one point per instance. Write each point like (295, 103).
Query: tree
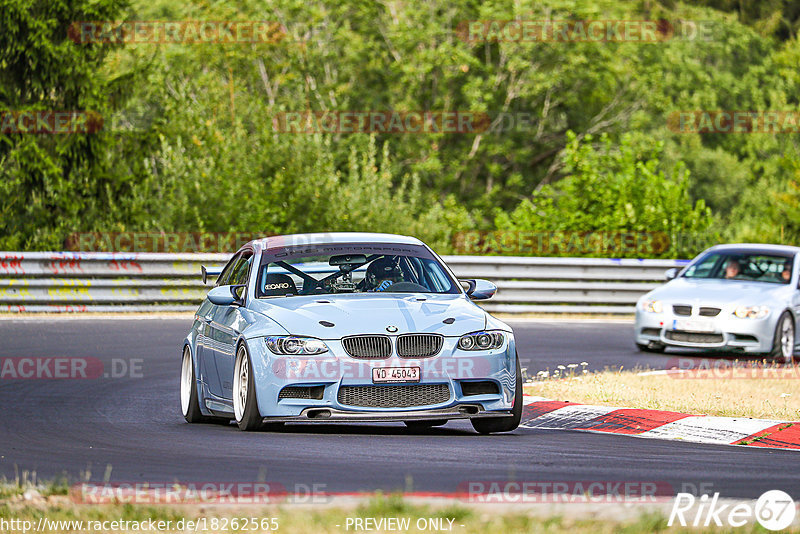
(53, 183)
(616, 189)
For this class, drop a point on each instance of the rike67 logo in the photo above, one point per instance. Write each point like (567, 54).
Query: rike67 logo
(774, 510)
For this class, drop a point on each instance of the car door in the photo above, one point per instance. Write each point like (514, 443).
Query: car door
(206, 353)
(795, 298)
(228, 323)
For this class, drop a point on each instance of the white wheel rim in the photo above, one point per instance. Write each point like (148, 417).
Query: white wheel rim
(240, 382)
(186, 380)
(787, 339)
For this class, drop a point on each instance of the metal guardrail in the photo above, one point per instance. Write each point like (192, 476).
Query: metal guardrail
(102, 282)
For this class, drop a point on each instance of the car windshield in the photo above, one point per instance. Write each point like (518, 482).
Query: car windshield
(351, 268)
(753, 266)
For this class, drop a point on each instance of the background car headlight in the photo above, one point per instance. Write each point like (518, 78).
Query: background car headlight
(292, 345)
(481, 341)
(751, 312)
(652, 306)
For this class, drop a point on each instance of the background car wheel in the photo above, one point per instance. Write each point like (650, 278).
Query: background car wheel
(489, 425)
(190, 407)
(783, 341)
(421, 425)
(651, 347)
(245, 407)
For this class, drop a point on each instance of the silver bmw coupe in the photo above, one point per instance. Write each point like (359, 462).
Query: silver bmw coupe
(731, 297)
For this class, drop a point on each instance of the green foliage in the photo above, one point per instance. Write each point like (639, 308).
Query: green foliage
(52, 183)
(204, 156)
(610, 188)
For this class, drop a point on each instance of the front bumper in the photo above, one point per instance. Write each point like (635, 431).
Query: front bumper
(448, 372)
(723, 332)
(463, 411)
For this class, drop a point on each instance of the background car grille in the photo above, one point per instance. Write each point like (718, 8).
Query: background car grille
(368, 347)
(394, 396)
(709, 312)
(419, 345)
(693, 337)
(682, 310)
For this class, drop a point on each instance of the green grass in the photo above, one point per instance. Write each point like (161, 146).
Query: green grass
(332, 518)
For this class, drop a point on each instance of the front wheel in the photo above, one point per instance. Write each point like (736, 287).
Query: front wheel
(489, 425)
(190, 407)
(245, 406)
(783, 340)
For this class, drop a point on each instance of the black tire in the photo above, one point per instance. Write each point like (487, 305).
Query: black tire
(490, 425)
(783, 348)
(191, 410)
(421, 425)
(655, 347)
(249, 419)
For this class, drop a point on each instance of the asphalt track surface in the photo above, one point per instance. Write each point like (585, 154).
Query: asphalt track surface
(131, 428)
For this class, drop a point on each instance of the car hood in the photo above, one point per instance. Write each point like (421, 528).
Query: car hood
(372, 314)
(718, 291)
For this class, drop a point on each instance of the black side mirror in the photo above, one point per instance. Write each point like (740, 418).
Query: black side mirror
(238, 294)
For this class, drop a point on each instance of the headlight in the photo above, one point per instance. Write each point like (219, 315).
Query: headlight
(652, 306)
(293, 346)
(751, 312)
(481, 341)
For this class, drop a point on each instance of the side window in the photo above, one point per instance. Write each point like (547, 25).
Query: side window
(226, 272)
(241, 269)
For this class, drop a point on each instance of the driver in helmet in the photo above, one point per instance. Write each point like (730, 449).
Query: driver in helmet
(382, 273)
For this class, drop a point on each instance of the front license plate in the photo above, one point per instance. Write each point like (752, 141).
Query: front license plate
(395, 374)
(690, 325)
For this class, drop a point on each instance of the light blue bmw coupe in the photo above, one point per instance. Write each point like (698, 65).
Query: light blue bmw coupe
(348, 327)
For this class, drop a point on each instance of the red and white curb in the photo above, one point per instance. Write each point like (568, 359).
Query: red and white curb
(544, 413)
